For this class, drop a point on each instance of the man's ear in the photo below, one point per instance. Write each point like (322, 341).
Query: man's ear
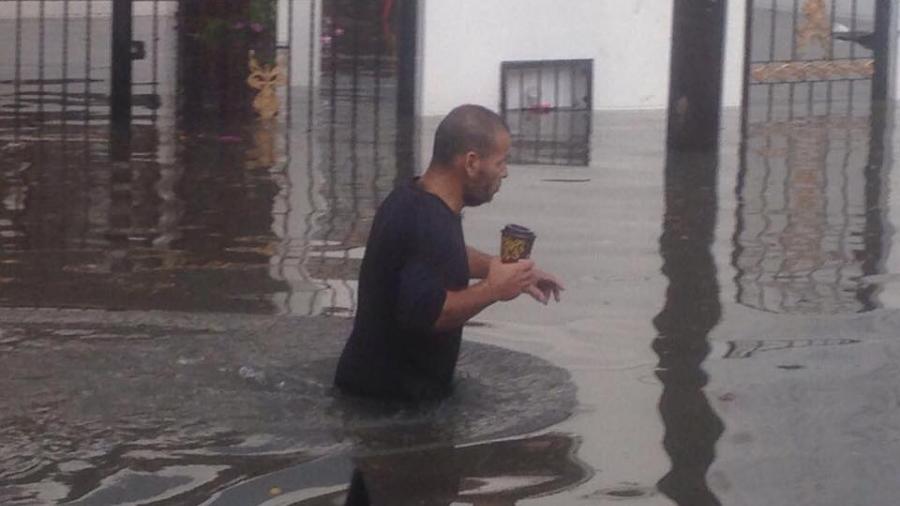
(471, 163)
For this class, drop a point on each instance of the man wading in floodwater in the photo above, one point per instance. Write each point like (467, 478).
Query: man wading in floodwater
(414, 292)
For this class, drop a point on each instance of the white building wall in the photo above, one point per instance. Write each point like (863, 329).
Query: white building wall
(735, 48)
(463, 43)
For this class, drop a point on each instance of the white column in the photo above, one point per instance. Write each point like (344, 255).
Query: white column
(299, 25)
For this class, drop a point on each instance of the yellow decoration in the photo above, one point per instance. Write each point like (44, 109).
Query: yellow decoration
(265, 78)
(815, 24)
(812, 69)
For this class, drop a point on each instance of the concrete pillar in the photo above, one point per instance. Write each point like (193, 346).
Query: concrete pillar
(695, 88)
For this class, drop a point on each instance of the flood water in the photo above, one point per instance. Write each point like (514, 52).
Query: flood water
(170, 321)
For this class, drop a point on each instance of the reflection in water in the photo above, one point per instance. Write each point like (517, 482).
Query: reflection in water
(232, 411)
(501, 473)
(206, 213)
(809, 220)
(691, 310)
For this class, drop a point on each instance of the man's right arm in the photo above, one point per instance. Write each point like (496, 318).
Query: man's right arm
(503, 282)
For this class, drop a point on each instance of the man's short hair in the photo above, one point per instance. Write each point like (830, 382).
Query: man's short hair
(466, 128)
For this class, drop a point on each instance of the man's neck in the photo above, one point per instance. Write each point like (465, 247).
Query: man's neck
(443, 183)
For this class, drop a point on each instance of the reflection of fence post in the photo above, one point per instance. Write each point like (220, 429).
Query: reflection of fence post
(120, 93)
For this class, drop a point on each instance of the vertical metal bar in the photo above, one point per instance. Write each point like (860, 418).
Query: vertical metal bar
(406, 56)
(833, 20)
(120, 94)
(87, 67)
(334, 58)
(354, 74)
(290, 61)
(376, 113)
(881, 50)
(850, 97)
(828, 97)
(41, 43)
(17, 80)
(312, 56)
(773, 21)
(853, 13)
(65, 70)
(745, 84)
(555, 112)
(521, 108)
(155, 61)
(589, 108)
(794, 35)
(793, 88)
(809, 104)
(86, 118)
(572, 110)
(539, 117)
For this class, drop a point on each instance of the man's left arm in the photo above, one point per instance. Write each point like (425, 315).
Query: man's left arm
(479, 262)
(546, 286)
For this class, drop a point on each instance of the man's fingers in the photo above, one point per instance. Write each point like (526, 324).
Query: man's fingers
(553, 279)
(537, 294)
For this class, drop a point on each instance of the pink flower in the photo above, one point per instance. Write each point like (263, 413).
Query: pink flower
(256, 27)
(238, 25)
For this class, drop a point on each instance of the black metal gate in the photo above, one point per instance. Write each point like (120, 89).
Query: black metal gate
(809, 221)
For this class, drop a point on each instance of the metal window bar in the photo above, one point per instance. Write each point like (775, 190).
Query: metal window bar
(65, 73)
(17, 86)
(87, 70)
(527, 100)
(155, 61)
(41, 42)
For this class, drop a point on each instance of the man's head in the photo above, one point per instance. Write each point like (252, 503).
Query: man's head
(473, 142)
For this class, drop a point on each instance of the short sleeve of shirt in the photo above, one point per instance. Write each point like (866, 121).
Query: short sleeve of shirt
(420, 297)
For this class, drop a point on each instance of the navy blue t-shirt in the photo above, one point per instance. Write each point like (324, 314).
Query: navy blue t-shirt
(415, 254)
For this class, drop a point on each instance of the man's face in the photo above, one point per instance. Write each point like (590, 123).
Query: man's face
(485, 173)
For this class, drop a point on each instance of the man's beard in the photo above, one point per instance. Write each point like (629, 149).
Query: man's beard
(477, 194)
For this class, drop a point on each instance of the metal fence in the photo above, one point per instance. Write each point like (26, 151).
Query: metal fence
(809, 223)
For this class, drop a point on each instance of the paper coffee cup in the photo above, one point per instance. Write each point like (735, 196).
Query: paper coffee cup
(516, 242)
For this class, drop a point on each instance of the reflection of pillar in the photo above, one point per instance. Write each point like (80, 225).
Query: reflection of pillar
(878, 165)
(691, 310)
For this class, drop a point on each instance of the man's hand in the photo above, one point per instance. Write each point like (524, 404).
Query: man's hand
(508, 281)
(544, 286)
